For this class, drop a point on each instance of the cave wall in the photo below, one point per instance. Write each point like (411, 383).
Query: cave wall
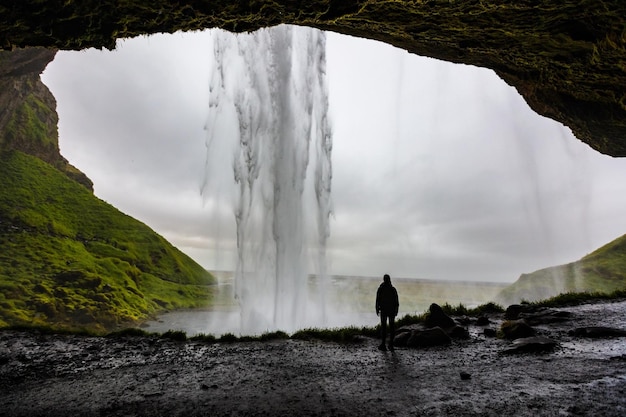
(567, 59)
(28, 117)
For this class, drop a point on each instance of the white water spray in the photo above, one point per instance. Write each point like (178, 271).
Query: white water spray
(269, 101)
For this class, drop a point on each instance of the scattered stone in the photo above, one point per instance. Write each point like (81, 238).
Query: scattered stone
(597, 332)
(489, 332)
(537, 344)
(513, 311)
(536, 315)
(465, 376)
(482, 321)
(545, 316)
(429, 337)
(516, 329)
(458, 332)
(401, 337)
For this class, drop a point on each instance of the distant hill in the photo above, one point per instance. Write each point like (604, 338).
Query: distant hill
(603, 270)
(69, 259)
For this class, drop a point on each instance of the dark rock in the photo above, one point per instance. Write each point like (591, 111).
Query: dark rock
(465, 376)
(595, 112)
(435, 336)
(489, 332)
(482, 321)
(597, 332)
(545, 316)
(401, 338)
(537, 344)
(458, 332)
(513, 311)
(436, 317)
(516, 329)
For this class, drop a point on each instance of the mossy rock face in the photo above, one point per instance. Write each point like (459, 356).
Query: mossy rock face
(568, 59)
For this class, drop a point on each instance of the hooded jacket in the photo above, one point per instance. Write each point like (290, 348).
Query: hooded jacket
(387, 299)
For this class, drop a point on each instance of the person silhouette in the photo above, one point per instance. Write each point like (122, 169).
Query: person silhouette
(387, 308)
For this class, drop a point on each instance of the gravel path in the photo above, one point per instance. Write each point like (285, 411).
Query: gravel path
(86, 376)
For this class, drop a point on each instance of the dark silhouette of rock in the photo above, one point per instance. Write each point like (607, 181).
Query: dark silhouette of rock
(513, 311)
(458, 332)
(597, 332)
(438, 318)
(465, 375)
(489, 332)
(482, 321)
(537, 344)
(435, 336)
(401, 337)
(516, 329)
(546, 316)
(535, 315)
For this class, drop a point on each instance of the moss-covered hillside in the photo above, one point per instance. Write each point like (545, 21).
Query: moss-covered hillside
(604, 270)
(71, 260)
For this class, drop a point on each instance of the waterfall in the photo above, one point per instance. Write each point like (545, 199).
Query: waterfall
(269, 107)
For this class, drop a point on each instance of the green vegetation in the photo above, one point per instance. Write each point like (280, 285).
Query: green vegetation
(344, 335)
(70, 260)
(603, 271)
(578, 298)
(28, 121)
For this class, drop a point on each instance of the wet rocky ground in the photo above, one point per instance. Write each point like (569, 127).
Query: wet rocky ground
(43, 375)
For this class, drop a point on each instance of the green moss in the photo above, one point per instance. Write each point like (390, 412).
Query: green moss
(71, 259)
(27, 122)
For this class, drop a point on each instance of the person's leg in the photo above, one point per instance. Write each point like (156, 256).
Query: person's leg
(383, 329)
(392, 330)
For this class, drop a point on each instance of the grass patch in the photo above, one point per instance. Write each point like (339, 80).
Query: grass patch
(348, 334)
(338, 335)
(177, 335)
(70, 260)
(578, 298)
(129, 332)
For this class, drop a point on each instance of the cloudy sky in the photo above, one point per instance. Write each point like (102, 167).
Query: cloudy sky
(440, 171)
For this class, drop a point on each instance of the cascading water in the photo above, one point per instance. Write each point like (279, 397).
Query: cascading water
(271, 86)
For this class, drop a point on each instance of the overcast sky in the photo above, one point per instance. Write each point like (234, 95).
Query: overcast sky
(440, 171)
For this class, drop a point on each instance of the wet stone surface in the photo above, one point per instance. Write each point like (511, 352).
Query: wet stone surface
(85, 376)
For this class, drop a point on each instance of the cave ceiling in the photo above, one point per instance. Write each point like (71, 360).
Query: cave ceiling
(566, 58)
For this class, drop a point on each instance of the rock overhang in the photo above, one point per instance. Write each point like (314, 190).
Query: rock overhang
(568, 60)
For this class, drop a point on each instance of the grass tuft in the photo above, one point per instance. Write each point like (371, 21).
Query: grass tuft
(176, 335)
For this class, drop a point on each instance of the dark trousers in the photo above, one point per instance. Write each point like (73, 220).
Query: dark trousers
(384, 317)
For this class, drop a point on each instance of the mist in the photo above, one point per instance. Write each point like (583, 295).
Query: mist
(440, 171)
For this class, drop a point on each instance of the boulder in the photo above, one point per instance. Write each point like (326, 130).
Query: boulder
(401, 338)
(513, 311)
(597, 332)
(458, 332)
(537, 344)
(436, 317)
(489, 332)
(545, 316)
(536, 315)
(482, 321)
(516, 329)
(435, 336)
